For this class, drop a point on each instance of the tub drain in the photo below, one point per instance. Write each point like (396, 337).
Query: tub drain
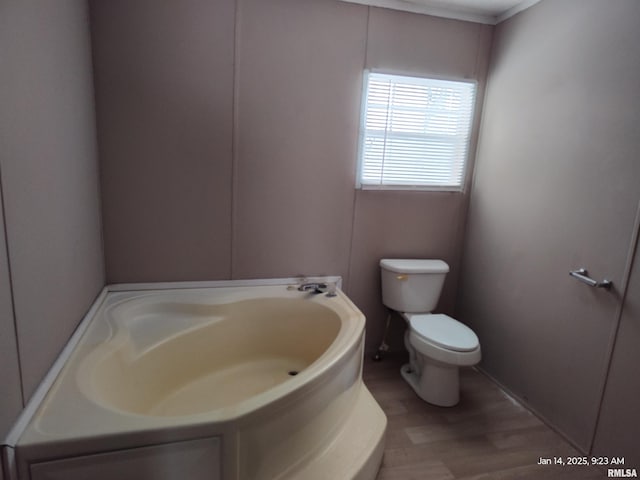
(293, 373)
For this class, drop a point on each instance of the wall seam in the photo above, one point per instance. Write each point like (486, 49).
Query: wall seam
(99, 175)
(235, 121)
(354, 203)
(11, 294)
(471, 181)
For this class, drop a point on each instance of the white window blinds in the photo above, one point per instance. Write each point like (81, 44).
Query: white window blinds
(415, 132)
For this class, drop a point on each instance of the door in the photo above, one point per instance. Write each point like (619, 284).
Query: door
(619, 421)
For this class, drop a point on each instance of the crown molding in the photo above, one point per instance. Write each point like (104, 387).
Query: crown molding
(412, 7)
(517, 9)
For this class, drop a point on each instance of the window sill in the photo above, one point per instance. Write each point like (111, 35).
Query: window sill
(411, 188)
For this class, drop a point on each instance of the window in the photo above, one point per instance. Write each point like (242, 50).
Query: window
(414, 132)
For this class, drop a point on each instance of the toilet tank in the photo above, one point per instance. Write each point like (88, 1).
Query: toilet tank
(411, 285)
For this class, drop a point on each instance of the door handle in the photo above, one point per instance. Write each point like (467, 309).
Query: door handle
(582, 275)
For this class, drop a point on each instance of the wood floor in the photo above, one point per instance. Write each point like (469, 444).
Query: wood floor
(486, 436)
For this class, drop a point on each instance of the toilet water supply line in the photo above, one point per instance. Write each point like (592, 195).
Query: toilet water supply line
(383, 345)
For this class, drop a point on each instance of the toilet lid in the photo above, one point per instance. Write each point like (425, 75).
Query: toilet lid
(444, 331)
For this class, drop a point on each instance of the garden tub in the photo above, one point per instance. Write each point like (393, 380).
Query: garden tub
(219, 382)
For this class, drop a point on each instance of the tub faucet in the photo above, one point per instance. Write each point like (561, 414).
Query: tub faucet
(313, 287)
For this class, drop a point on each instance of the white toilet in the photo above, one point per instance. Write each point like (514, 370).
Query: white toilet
(438, 344)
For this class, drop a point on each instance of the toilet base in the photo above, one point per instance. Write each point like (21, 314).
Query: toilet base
(437, 383)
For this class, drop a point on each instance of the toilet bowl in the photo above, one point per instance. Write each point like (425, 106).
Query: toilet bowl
(438, 345)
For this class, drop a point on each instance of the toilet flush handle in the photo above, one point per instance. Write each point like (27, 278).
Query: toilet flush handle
(582, 275)
(402, 277)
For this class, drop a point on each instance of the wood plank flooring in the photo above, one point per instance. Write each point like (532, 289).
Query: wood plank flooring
(486, 436)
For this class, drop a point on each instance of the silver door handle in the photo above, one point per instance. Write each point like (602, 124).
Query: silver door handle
(582, 275)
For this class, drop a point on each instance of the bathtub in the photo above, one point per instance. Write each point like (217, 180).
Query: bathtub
(230, 381)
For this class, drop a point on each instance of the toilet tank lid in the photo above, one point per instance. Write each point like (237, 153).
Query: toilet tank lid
(414, 265)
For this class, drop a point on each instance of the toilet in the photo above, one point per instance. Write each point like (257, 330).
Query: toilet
(438, 345)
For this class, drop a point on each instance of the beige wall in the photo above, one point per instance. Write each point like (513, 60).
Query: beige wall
(298, 92)
(164, 103)
(555, 188)
(268, 189)
(49, 184)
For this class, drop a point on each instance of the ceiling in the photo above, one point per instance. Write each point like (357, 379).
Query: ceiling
(480, 11)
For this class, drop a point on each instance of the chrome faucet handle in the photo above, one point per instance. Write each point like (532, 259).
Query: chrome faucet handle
(332, 290)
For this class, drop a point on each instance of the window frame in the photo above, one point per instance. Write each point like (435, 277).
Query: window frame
(362, 134)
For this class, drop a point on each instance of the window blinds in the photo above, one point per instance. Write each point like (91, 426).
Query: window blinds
(415, 132)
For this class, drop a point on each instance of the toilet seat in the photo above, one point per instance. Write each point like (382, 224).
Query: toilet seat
(443, 331)
(463, 345)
